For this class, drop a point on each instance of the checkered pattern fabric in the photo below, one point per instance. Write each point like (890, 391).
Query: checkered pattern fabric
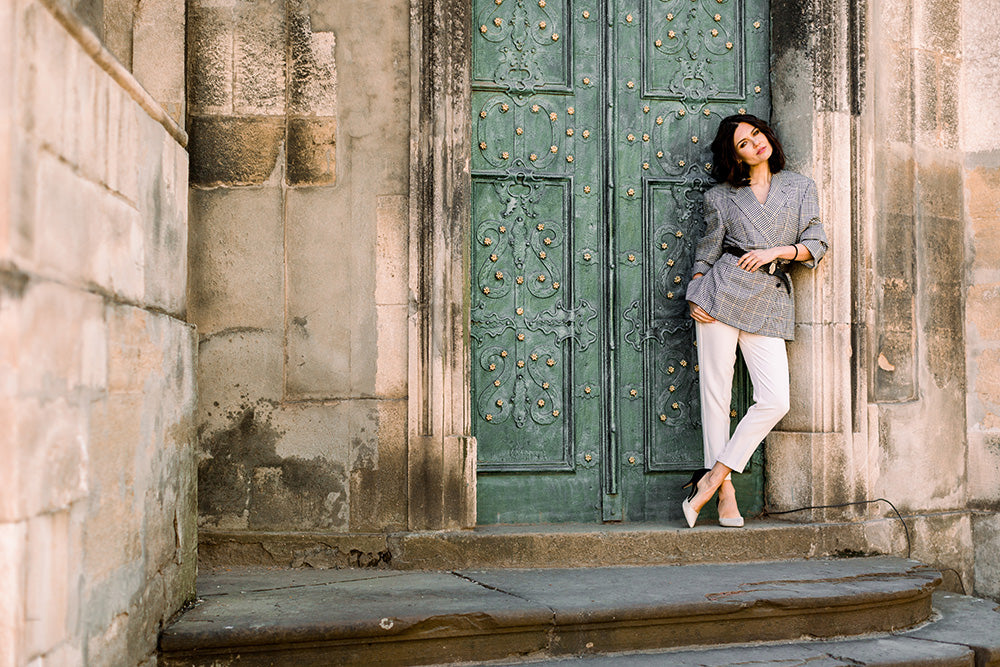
(755, 302)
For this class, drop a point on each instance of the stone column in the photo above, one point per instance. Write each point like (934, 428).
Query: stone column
(810, 457)
(442, 454)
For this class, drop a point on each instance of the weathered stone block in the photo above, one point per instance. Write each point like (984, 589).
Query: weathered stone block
(987, 386)
(986, 545)
(62, 242)
(53, 472)
(298, 495)
(939, 194)
(158, 53)
(259, 53)
(950, 70)
(117, 33)
(984, 461)
(44, 50)
(944, 541)
(894, 366)
(919, 471)
(123, 143)
(312, 151)
(286, 468)
(7, 118)
(211, 29)
(13, 562)
(937, 26)
(134, 352)
(982, 192)
(331, 336)
(117, 239)
(895, 247)
(392, 229)
(116, 442)
(236, 260)
(237, 370)
(927, 111)
(378, 487)
(53, 364)
(894, 84)
(48, 583)
(393, 351)
(92, 85)
(313, 86)
(979, 75)
(164, 210)
(894, 20)
(234, 151)
(982, 307)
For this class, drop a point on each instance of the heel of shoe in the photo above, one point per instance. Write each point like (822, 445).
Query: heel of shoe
(690, 515)
(693, 482)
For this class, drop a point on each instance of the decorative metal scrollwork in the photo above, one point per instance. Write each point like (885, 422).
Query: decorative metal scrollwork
(527, 36)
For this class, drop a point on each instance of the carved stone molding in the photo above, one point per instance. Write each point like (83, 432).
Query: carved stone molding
(441, 454)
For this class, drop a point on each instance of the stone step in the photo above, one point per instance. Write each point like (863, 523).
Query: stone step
(561, 545)
(962, 632)
(380, 617)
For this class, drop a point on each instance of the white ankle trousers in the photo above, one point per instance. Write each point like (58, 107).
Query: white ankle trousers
(767, 361)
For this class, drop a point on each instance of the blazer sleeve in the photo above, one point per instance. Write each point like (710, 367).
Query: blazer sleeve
(811, 233)
(710, 245)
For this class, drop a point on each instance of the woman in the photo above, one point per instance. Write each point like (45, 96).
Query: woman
(758, 220)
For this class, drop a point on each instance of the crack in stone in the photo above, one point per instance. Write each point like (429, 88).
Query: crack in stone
(297, 586)
(549, 636)
(845, 659)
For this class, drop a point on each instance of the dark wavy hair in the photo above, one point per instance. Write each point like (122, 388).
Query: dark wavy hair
(726, 167)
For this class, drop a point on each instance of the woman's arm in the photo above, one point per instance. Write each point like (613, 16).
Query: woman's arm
(709, 246)
(755, 259)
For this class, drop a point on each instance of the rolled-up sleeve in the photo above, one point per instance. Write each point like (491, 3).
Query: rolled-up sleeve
(710, 245)
(811, 233)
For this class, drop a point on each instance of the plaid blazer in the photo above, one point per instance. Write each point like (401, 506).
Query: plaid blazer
(755, 302)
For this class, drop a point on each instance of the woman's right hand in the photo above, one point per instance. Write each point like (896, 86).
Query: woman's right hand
(699, 313)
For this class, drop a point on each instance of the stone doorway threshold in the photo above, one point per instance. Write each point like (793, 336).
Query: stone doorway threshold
(552, 545)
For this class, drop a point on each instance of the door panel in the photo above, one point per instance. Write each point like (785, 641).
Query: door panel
(590, 154)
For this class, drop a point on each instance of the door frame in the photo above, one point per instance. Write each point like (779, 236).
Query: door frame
(811, 457)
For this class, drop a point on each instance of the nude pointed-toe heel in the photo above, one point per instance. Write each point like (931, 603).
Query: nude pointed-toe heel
(690, 513)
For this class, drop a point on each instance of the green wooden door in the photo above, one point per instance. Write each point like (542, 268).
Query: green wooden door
(590, 153)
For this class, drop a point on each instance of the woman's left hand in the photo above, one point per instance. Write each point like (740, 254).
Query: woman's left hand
(755, 259)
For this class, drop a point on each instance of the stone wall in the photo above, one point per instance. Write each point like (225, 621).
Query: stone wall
(916, 357)
(299, 120)
(981, 270)
(927, 303)
(97, 365)
(146, 37)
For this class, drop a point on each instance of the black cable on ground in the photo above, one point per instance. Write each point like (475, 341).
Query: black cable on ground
(899, 516)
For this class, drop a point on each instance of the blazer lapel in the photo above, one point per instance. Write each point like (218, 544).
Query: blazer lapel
(762, 215)
(777, 195)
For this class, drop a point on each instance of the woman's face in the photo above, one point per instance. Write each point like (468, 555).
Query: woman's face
(752, 147)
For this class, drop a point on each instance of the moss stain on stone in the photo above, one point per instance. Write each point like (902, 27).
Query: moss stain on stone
(242, 477)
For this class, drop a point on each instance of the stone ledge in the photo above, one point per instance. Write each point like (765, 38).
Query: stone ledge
(109, 63)
(381, 618)
(566, 545)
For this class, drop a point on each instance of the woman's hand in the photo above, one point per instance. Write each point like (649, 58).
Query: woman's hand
(755, 259)
(699, 313)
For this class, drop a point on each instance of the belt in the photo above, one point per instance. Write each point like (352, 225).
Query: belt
(773, 268)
